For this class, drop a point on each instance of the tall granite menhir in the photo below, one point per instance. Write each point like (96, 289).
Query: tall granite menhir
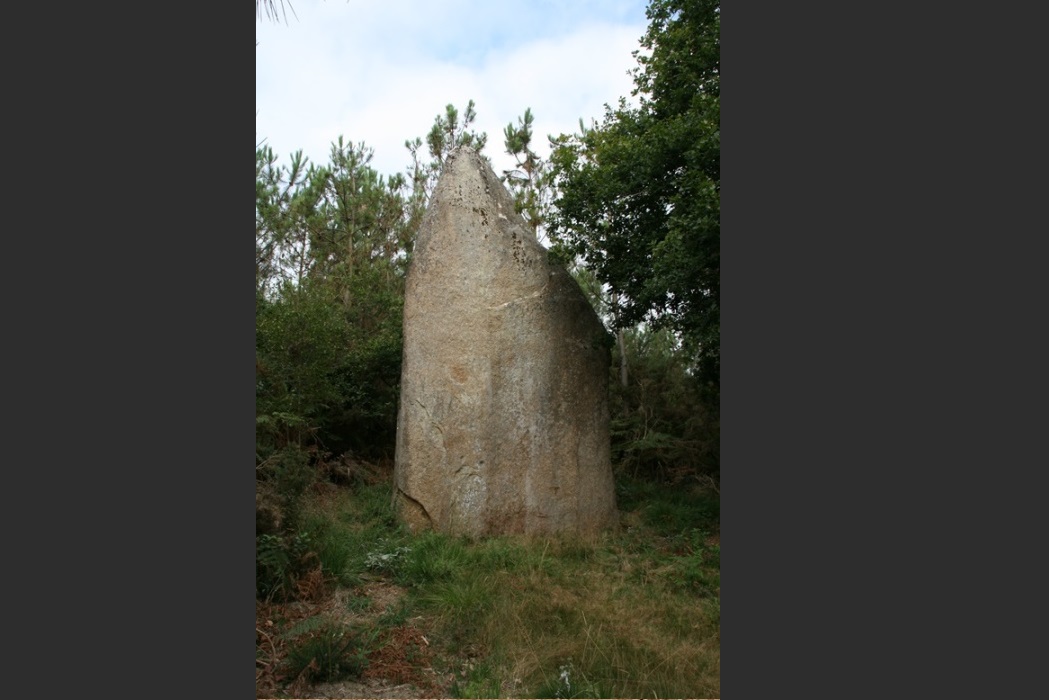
(503, 421)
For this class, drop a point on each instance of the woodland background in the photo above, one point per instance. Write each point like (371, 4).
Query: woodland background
(631, 206)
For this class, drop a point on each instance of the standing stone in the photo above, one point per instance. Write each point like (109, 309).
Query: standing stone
(503, 420)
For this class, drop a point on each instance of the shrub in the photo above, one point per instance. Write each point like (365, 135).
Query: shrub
(280, 561)
(325, 651)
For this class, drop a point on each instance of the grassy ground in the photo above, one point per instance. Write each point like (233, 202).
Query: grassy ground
(634, 614)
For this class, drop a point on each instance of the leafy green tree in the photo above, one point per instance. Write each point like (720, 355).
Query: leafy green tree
(639, 194)
(300, 340)
(337, 235)
(663, 427)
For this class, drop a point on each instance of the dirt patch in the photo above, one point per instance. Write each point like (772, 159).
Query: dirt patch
(368, 689)
(383, 596)
(405, 658)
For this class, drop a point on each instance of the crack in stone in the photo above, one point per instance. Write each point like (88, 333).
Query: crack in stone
(428, 415)
(534, 295)
(418, 507)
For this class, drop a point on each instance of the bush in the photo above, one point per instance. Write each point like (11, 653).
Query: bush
(325, 651)
(663, 425)
(280, 561)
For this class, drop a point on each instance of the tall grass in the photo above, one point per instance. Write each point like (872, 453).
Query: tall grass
(635, 613)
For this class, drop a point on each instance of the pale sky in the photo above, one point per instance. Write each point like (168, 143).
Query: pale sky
(380, 71)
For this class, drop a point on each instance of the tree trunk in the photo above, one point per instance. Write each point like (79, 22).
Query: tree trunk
(622, 358)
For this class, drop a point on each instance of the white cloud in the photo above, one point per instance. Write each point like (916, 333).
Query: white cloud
(380, 72)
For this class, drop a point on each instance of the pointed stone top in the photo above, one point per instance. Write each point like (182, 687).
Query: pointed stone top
(464, 164)
(469, 191)
(464, 150)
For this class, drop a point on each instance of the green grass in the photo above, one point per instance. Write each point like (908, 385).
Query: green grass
(325, 651)
(354, 532)
(669, 510)
(480, 681)
(635, 613)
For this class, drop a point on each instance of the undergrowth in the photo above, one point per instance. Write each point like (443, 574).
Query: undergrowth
(635, 613)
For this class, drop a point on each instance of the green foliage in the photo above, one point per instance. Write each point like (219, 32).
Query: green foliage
(300, 338)
(362, 221)
(501, 554)
(433, 557)
(358, 604)
(388, 562)
(481, 681)
(322, 650)
(284, 476)
(361, 537)
(333, 548)
(669, 511)
(446, 134)
(639, 195)
(309, 625)
(332, 246)
(530, 183)
(463, 603)
(272, 565)
(554, 617)
(365, 419)
(279, 561)
(374, 506)
(694, 564)
(712, 610)
(395, 615)
(663, 426)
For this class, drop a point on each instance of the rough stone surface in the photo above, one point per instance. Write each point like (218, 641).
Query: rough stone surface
(503, 421)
